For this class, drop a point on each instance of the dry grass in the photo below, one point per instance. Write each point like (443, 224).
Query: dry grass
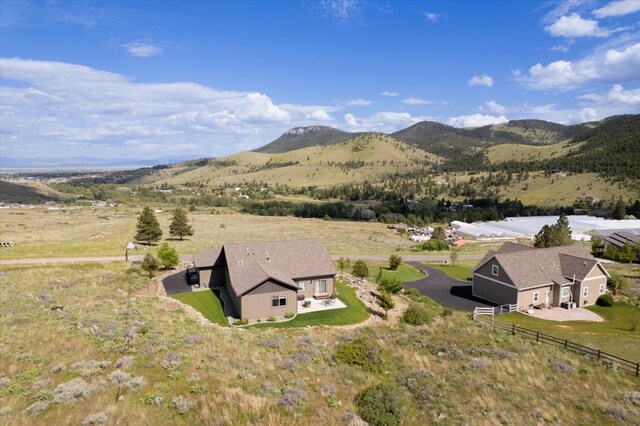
(231, 376)
(105, 232)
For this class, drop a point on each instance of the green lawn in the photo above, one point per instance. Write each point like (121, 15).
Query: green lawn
(207, 303)
(354, 313)
(614, 335)
(405, 273)
(461, 271)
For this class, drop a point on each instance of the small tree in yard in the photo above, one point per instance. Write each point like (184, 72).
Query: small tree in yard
(394, 262)
(150, 264)
(168, 256)
(385, 302)
(180, 224)
(454, 256)
(438, 233)
(148, 228)
(342, 264)
(360, 269)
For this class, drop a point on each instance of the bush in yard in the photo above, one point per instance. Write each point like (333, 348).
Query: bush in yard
(390, 285)
(362, 352)
(380, 405)
(605, 300)
(394, 262)
(150, 264)
(168, 256)
(417, 314)
(360, 269)
(434, 245)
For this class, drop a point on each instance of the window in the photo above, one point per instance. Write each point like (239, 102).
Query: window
(495, 269)
(602, 288)
(585, 292)
(277, 301)
(536, 296)
(301, 284)
(321, 286)
(565, 291)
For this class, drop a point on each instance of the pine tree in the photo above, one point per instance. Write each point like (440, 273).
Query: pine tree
(148, 227)
(150, 264)
(394, 262)
(619, 211)
(179, 226)
(386, 302)
(360, 269)
(555, 235)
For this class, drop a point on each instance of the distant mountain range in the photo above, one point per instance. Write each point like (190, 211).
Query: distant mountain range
(86, 162)
(304, 137)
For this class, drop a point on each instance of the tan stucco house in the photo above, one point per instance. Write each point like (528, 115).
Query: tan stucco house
(267, 278)
(527, 276)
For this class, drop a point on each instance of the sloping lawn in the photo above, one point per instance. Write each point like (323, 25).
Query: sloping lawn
(461, 271)
(405, 273)
(354, 313)
(207, 303)
(614, 335)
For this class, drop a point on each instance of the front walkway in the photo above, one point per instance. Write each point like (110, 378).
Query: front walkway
(561, 314)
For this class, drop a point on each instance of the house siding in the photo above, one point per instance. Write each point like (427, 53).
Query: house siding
(310, 284)
(593, 286)
(525, 298)
(486, 271)
(257, 303)
(212, 277)
(494, 292)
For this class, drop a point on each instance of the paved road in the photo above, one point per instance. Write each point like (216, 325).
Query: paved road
(189, 258)
(445, 290)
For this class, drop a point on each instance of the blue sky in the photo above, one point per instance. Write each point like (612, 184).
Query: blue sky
(161, 79)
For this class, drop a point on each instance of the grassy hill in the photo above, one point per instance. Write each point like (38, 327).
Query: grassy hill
(304, 137)
(365, 157)
(519, 152)
(32, 193)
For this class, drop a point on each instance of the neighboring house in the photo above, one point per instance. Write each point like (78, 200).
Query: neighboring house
(267, 278)
(527, 276)
(620, 238)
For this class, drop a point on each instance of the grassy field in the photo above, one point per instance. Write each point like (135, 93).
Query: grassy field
(614, 335)
(354, 313)
(207, 303)
(105, 232)
(516, 152)
(119, 352)
(461, 270)
(405, 273)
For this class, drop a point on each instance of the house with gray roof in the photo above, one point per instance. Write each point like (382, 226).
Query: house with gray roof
(526, 276)
(267, 278)
(621, 238)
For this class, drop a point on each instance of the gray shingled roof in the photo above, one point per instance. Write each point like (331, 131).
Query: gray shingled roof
(250, 264)
(620, 238)
(207, 258)
(530, 267)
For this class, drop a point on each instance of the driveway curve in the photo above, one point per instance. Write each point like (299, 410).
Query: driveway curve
(445, 290)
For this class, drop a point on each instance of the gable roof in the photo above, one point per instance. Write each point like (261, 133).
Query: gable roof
(620, 238)
(251, 264)
(207, 258)
(530, 267)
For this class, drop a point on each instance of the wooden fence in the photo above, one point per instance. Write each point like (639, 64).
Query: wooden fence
(603, 357)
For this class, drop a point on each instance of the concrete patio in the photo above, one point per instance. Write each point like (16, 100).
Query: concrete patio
(560, 314)
(319, 305)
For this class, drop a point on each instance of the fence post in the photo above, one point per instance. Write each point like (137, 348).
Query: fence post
(537, 336)
(513, 329)
(598, 354)
(566, 342)
(637, 369)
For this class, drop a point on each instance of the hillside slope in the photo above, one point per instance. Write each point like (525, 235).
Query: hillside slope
(304, 137)
(27, 194)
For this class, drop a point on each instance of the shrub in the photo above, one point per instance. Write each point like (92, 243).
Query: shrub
(394, 262)
(90, 368)
(271, 319)
(96, 419)
(362, 352)
(172, 360)
(289, 315)
(561, 367)
(446, 312)
(390, 285)
(418, 385)
(122, 379)
(168, 256)
(182, 404)
(434, 245)
(417, 314)
(71, 392)
(360, 269)
(243, 321)
(293, 399)
(36, 408)
(380, 405)
(605, 300)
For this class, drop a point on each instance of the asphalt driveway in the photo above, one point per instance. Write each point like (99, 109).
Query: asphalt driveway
(445, 290)
(176, 283)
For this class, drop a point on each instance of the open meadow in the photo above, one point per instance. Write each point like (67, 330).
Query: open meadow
(121, 353)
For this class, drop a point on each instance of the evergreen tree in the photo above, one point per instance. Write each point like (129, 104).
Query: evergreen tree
(394, 262)
(385, 302)
(179, 226)
(168, 256)
(360, 269)
(150, 264)
(619, 211)
(555, 235)
(148, 227)
(438, 233)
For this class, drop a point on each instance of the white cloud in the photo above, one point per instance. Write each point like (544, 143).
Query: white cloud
(575, 26)
(616, 95)
(343, 10)
(431, 16)
(387, 93)
(320, 115)
(476, 120)
(584, 115)
(493, 106)
(481, 80)
(350, 120)
(358, 102)
(49, 106)
(618, 8)
(416, 101)
(562, 8)
(603, 66)
(142, 49)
